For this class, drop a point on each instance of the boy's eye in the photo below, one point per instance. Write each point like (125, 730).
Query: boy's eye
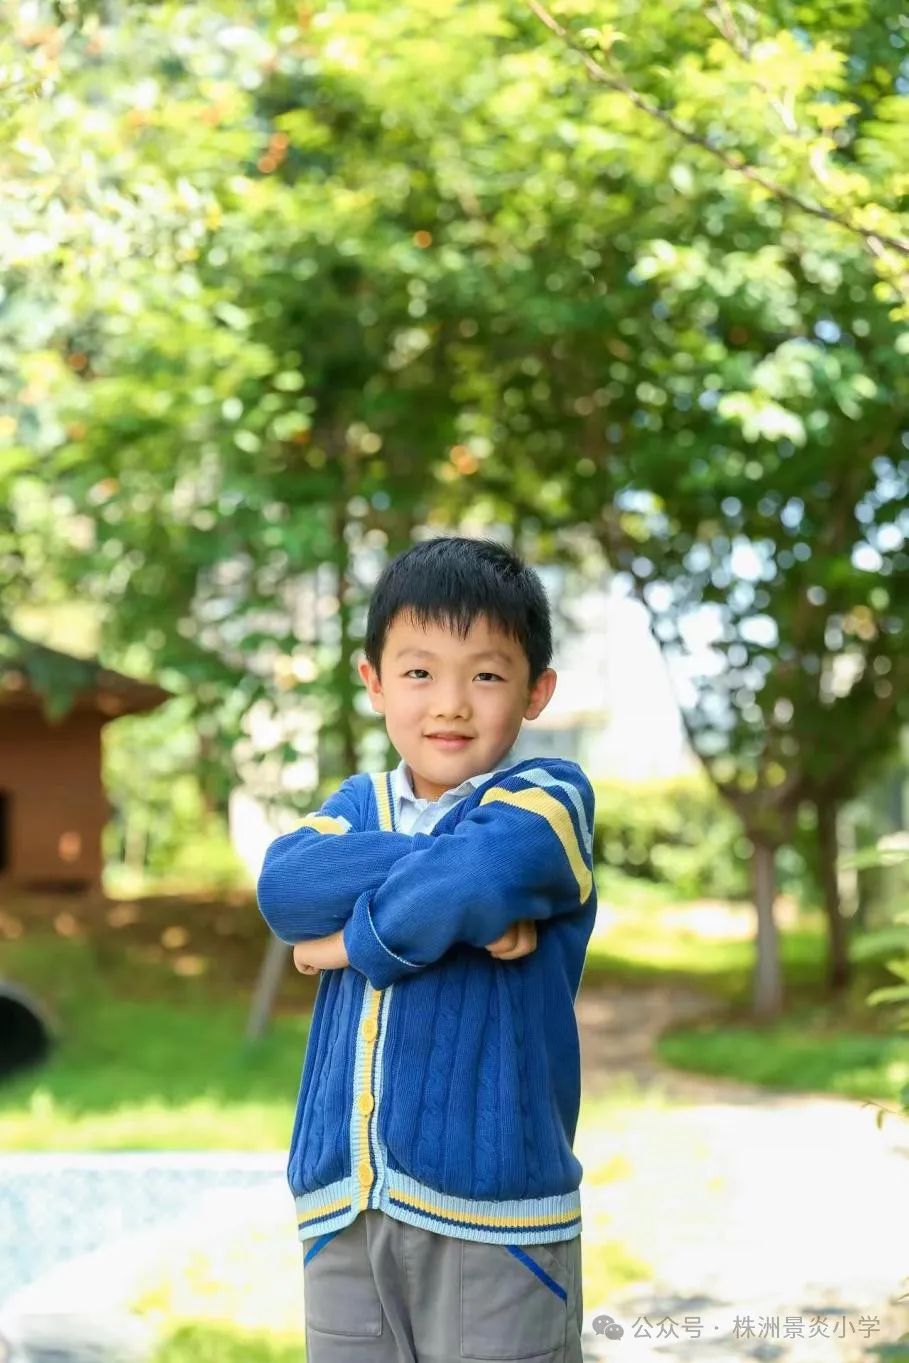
(495, 675)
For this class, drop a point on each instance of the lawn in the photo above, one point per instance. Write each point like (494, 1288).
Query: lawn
(145, 1073)
(823, 1043)
(152, 1012)
(203, 1342)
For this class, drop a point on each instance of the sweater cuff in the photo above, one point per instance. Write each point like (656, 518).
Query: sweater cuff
(367, 952)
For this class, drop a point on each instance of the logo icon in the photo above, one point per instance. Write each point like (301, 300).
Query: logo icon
(605, 1325)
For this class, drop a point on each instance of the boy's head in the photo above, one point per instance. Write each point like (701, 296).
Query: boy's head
(458, 641)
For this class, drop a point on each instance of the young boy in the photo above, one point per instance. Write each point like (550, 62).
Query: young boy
(448, 904)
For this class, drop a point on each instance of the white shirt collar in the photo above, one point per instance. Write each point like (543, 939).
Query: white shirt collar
(404, 787)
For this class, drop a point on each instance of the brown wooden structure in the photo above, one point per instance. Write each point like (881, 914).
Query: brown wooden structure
(53, 808)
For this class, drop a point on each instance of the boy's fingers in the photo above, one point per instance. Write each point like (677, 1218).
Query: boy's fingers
(301, 963)
(506, 942)
(525, 933)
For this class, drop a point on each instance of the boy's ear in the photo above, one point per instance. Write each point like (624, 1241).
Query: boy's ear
(541, 693)
(373, 685)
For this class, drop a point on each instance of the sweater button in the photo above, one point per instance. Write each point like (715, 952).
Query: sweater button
(370, 1029)
(365, 1171)
(366, 1103)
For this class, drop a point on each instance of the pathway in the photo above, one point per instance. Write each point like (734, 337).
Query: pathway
(790, 1211)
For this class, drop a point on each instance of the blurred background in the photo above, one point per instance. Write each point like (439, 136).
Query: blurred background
(286, 287)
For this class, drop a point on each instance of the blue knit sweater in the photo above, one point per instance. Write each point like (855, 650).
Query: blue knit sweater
(441, 1085)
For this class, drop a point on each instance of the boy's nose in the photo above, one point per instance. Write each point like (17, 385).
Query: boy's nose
(450, 707)
(453, 715)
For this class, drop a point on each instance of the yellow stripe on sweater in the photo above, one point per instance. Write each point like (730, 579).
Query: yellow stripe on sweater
(383, 804)
(324, 823)
(539, 801)
(321, 1212)
(471, 1219)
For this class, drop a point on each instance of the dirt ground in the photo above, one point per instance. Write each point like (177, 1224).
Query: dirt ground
(219, 939)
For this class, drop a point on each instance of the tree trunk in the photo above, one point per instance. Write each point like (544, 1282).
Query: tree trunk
(268, 983)
(767, 998)
(209, 776)
(135, 840)
(837, 932)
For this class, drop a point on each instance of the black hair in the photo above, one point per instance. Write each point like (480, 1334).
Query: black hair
(451, 580)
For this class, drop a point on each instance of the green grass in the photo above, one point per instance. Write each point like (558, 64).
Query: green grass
(823, 1043)
(651, 947)
(216, 1343)
(140, 1073)
(801, 1054)
(153, 1060)
(661, 946)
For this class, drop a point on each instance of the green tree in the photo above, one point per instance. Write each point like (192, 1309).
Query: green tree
(636, 285)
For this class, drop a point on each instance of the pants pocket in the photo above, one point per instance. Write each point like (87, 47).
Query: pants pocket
(515, 1299)
(339, 1291)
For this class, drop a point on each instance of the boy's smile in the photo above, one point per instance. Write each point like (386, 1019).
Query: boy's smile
(453, 707)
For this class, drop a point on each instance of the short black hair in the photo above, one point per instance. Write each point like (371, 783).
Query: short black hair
(451, 580)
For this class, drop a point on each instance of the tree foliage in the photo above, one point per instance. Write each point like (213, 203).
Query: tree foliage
(282, 284)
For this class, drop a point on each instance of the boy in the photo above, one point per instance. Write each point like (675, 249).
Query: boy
(448, 905)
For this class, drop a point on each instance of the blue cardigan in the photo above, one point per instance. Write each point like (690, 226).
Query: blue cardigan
(441, 1085)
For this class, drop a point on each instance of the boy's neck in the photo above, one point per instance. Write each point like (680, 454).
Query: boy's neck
(413, 785)
(439, 792)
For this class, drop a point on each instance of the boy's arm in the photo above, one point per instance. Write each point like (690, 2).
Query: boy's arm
(524, 852)
(312, 877)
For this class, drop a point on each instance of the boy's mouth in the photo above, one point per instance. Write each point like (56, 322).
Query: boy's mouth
(449, 741)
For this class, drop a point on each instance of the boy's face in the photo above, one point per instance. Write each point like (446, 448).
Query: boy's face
(432, 683)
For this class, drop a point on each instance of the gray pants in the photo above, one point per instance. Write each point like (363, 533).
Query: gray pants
(386, 1291)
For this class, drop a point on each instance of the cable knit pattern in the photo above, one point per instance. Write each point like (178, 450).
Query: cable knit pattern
(438, 1080)
(326, 1017)
(487, 1170)
(327, 1055)
(515, 991)
(470, 1129)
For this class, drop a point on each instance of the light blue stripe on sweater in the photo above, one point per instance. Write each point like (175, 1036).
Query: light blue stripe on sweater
(379, 1149)
(538, 777)
(523, 1221)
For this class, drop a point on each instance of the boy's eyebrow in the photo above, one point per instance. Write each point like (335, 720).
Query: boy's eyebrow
(480, 653)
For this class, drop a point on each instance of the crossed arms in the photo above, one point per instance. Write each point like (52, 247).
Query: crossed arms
(400, 901)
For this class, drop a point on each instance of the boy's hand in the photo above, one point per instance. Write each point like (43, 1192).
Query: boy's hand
(323, 953)
(518, 940)
(330, 953)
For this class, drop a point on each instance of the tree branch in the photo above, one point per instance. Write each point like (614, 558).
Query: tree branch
(873, 240)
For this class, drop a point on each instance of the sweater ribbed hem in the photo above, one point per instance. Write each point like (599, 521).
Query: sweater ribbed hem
(523, 1221)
